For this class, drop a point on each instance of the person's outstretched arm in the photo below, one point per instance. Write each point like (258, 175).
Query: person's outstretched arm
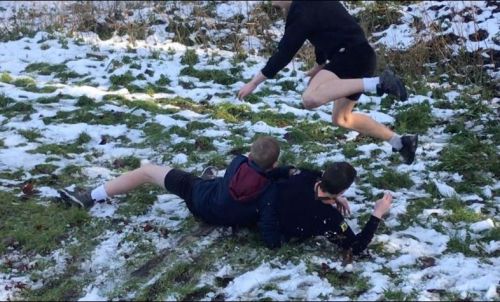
(295, 35)
(345, 237)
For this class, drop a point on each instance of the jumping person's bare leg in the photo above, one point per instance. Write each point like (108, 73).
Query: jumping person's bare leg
(326, 87)
(343, 116)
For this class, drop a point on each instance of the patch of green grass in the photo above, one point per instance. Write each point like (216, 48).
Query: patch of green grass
(266, 91)
(163, 81)
(138, 201)
(217, 160)
(469, 156)
(349, 149)
(122, 80)
(44, 169)
(18, 108)
(83, 138)
(92, 118)
(31, 226)
(197, 125)
(203, 143)
(414, 208)
(303, 132)
(460, 212)
(190, 57)
(85, 101)
(217, 76)
(274, 119)
(5, 101)
(49, 100)
(288, 85)
(353, 284)
(415, 119)
(492, 127)
(24, 82)
(180, 131)
(459, 245)
(64, 288)
(6, 78)
(232, 113)
(398, 295)
(30, 135)
(45, 68)
(58, 149)
(390, 180)
(184, 103)
(184, 147)
(156, 134)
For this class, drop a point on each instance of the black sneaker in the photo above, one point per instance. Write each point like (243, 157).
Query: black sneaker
(391, 84)
(80, 198)
(208, 173)
(410, 143)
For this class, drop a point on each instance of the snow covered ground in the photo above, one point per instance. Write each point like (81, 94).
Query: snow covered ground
(440, 240)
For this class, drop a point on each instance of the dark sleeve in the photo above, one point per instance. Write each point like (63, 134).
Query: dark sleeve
(295, 35)
(280, 172)
(268, 222)
(343, 235)
(320, 56)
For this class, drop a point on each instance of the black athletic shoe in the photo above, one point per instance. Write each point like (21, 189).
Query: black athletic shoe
(80, 198)
(410, 143)
(391, 84)
(208, 173)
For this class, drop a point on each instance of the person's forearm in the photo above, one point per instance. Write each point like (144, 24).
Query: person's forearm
(258, 78)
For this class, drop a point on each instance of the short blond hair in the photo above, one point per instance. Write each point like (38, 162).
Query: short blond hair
(265, 151)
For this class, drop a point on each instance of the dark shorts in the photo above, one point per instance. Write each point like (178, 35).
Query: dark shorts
(181, 183)
(352, 63)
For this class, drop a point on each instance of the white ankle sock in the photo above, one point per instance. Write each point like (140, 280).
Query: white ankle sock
(370, 84)
(99, 193)
(396, 142)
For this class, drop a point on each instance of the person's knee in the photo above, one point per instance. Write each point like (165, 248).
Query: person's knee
(149, 172)
(309, 100)
(341, 120)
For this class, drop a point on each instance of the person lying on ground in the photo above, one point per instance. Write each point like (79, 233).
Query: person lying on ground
(230, 200)
(310, 203)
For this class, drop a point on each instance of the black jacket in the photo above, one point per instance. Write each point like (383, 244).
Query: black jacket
(326, 24)
(290, 209)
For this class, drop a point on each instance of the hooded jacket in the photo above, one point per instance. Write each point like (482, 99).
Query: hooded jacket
(232, 200)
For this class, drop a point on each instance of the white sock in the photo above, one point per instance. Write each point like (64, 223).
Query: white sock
(396, 142)
(370, 84)
(99, 193)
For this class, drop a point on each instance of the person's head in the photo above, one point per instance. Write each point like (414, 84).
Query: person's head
(337, 178)
(265, 151)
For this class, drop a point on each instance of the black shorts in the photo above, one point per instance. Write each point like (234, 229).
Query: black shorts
(353, 63)
(181, 183)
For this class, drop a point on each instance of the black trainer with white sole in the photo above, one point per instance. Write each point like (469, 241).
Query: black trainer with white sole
(79, 198)
(391, 84)
(410, 143)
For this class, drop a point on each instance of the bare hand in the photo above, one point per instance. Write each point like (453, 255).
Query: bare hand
(382, 205)
(343, 206)
(246, 90)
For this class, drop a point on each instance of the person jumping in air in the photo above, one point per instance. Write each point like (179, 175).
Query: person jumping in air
(345, 65)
